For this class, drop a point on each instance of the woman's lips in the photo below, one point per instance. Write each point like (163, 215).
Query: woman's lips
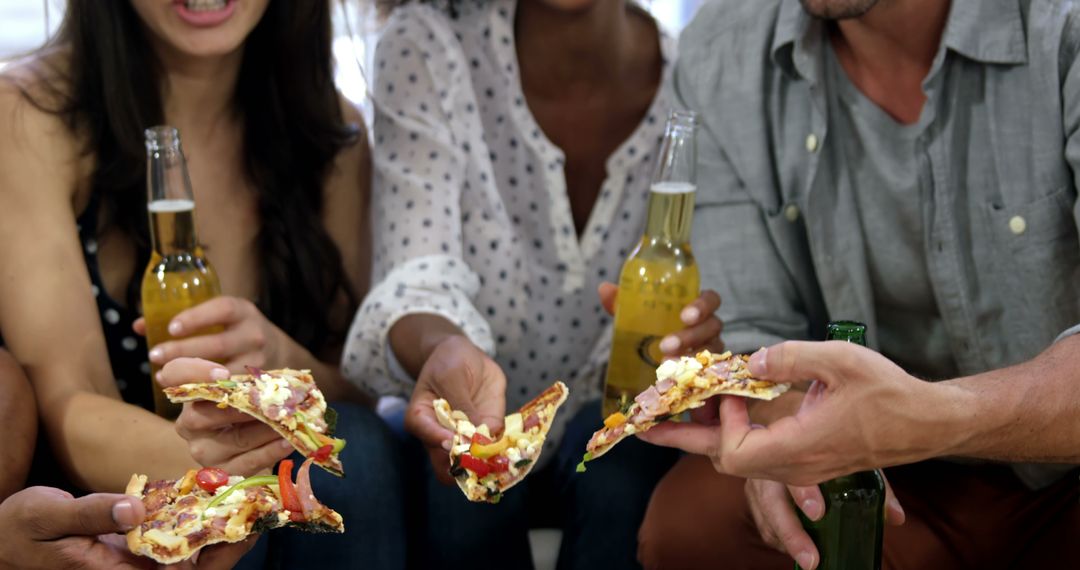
(204, 18)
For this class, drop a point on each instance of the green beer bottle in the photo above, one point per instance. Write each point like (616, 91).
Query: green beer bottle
(849, 536)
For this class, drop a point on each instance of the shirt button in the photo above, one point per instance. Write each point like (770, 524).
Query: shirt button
(1017, 225)
(811, 142)
(791, 212)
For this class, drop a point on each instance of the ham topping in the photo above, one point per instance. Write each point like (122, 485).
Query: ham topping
(303, 488)
(650, 403)
(664, 385)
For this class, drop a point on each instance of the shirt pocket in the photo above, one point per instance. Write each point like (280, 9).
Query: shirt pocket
(1040, 247)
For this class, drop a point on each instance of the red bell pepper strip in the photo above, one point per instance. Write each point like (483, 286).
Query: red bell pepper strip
(499, 464)
(478, 466)
(289, 498)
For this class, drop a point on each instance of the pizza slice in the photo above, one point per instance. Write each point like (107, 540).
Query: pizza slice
(486, 464)
(681, 385)
(207, 507)
(286, 400)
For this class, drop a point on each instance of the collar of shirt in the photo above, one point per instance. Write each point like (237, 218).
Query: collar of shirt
(987, 31)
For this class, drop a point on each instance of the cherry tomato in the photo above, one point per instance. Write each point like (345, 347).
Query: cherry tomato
(210, 478)
(323, 453)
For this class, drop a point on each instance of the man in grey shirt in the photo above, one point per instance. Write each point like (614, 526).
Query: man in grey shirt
(911, 164)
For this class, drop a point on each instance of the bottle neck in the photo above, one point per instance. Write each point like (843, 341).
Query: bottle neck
(670, 216)
(172, 227)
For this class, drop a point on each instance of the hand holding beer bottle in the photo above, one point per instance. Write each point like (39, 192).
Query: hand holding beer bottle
(178, 276)
(660, 277)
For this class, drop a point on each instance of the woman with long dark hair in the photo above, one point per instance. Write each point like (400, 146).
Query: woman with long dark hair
(280, 169)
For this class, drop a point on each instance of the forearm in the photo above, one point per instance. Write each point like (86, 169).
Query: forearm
(20, 416)
(101, 442)
(414, 337)
(1026, 412)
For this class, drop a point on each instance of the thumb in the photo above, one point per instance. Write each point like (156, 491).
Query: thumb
(794, 361)
(91, 515)
(184, 370)
(608, 292)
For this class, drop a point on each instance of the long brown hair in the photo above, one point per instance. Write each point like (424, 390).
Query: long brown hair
(107, 92)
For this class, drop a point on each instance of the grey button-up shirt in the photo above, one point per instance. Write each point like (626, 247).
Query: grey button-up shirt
(1000, 163)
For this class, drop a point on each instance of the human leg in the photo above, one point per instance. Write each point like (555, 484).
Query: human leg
(698, 518)
(18, 408)
(370, 499)
(462, 534)
(603, 507)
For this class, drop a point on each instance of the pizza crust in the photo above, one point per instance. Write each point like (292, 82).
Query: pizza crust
(237, 397)
(177, 525)
(688, 383)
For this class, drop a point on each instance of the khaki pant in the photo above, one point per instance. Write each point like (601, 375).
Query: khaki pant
(958, 516)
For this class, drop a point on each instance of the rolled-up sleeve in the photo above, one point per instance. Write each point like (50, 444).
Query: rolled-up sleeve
(416, 203)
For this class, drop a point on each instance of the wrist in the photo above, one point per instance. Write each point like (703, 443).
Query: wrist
(431, 342)
(942, 414)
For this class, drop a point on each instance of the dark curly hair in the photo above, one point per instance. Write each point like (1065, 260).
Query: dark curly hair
(107, 92)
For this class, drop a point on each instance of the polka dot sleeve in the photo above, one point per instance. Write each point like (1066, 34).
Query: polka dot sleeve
(416, 202)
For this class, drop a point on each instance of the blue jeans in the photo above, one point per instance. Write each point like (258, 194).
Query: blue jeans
(370, 498)
(599, 511)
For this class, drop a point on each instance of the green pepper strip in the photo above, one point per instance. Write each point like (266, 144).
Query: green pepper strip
(249, 482)
(338, 444)
(581, 466)
(226, 383)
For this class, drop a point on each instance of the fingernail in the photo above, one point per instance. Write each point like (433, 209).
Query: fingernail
(757, 362)
(812, 509)
(219, 374)
(157, 355)
(284, 444)
(123, 514)
(894, 504)
(157, 376)
(175, 328)
(670, 344)
(690, 315)
(806, 559)
(446, 444)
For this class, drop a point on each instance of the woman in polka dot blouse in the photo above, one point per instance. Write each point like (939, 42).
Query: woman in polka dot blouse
(514, 144)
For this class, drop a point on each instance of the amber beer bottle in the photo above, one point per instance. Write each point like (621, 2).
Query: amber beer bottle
(849, 536)
(660, 276)
(178, 276)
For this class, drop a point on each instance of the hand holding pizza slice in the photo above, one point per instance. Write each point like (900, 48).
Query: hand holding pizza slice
(484, 464)
(286, 400)
(207, 507)
(681, 385)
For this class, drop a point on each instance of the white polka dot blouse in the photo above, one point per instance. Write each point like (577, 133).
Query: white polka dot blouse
(470, 214)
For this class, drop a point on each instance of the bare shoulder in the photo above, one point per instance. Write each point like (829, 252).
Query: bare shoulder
(35, 140)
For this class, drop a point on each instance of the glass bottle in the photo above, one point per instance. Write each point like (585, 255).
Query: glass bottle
(849, 535)
(660, 276)
(178, 276)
